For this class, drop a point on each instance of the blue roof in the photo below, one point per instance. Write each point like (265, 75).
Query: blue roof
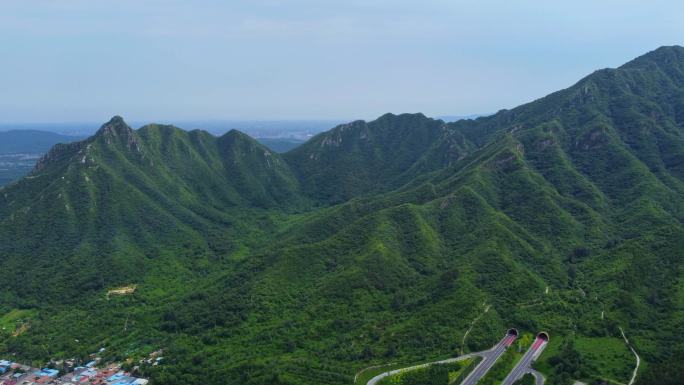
(127, 381)
(115, 377)
(48, 372)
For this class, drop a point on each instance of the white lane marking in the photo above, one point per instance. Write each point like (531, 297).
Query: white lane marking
(484, 354)
(525, 363)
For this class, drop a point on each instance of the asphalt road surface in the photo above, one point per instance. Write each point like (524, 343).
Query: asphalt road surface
(538, 377)
(380, 376)
(489, 358)
(525, 364)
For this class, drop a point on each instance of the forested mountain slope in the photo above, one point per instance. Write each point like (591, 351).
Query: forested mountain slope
(372, 243)
(124, 195)
(359, 157)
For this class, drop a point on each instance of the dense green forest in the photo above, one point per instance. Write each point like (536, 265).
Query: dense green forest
(373, 243)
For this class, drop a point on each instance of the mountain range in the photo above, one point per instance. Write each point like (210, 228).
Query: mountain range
(21, 148)
(396, 240)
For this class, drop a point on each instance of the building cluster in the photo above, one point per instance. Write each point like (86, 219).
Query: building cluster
(12, 373)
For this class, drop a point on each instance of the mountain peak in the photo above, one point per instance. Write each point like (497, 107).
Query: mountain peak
(116, 119)
(391, 117)
(116, 126)
(233, 133)
(116, 130)
(665, 57)
(668, 49)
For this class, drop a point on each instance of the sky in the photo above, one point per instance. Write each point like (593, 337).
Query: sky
(160, 60)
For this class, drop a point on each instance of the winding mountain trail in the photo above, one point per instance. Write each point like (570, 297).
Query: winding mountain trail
(638, 359)
(465, 335)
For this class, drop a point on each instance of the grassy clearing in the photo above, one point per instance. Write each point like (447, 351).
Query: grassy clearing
(609, 357)
(604, 358)
(10, 321)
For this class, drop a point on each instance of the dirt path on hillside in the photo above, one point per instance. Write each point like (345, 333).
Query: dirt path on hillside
(638, 359)
(487, 307)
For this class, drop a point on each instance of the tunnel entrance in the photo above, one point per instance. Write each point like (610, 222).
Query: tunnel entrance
(543, 335)
(512, 332)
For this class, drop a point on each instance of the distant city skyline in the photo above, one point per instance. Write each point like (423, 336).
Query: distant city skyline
(172, 60)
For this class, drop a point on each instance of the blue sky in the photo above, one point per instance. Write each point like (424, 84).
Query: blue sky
(86, 60)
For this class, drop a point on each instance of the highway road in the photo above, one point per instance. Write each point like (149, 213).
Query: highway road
(380, 376)
(538, 377)
(525, 364)
(489, 358)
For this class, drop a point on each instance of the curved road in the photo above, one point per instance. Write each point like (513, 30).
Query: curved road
(638, 359)
(489, 357)
(380, 376)
(538, 377)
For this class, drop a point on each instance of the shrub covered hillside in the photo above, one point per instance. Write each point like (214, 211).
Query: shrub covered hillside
(373, 243)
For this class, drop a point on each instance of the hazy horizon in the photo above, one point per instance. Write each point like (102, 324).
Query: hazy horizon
(275, 128)
(295, 129)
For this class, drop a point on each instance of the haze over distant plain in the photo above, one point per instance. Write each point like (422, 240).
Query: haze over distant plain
(85, 60)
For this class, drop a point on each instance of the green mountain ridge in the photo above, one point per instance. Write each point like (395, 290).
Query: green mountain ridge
(361, 157)
(372, 243)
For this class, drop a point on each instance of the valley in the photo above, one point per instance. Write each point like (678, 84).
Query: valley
(21, 149)
(15, 166)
